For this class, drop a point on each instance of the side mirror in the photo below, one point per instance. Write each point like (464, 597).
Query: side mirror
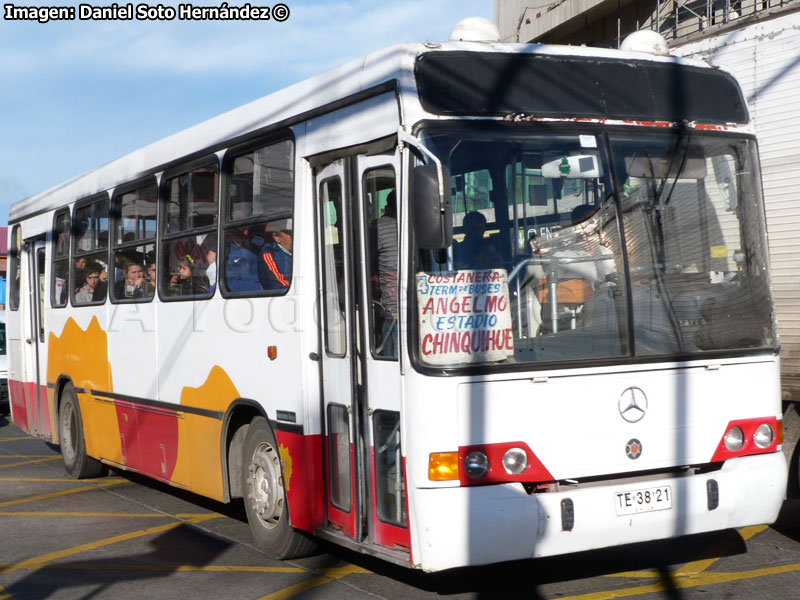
(433, 215)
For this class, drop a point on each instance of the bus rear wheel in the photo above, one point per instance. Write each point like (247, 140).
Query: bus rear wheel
(265, 496)
(73, 445)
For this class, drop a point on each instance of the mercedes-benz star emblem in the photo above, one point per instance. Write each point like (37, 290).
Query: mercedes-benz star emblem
(633, 449)
(633, 404)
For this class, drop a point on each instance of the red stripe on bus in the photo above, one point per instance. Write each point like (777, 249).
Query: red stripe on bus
(303, 479)
(25, 409)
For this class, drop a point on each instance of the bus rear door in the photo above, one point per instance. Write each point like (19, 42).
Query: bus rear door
(34, 347)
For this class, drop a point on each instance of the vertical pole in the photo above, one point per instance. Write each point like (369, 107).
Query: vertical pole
(675, 8)
(658, 17)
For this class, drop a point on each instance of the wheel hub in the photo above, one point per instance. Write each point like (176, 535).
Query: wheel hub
(266, 487)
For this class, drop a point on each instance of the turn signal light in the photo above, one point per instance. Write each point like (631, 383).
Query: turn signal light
(443, 466)
(779, 432)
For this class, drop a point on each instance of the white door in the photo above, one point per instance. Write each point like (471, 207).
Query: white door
(34, 346)
(378, 207)
(359, 281)
(337, 344)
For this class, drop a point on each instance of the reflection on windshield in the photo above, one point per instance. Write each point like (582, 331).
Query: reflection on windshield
(696, 247)
(536, 215)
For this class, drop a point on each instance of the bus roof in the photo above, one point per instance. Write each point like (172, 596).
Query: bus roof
(391, 67)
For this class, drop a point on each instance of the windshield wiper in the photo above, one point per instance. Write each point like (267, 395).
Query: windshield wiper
(684, 135)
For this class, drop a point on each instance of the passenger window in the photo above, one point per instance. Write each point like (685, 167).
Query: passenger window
(380, 203)
(89, 273)
(191, 199)
(40, 281)
(14, 282)
(60, 274)
(258, 237)
(135, 210)
(340, 491)
(189, 242)
(390, 483)
(186, 264)
(330, 195)
(262, 183)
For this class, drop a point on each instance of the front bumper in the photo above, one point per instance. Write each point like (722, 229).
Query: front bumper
(466, 526)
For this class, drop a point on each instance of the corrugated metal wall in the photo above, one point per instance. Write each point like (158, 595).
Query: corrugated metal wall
(765, 58)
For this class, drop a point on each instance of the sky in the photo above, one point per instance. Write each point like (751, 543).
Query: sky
(77, 94)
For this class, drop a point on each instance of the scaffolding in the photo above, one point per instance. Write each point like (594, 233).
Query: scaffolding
(676, 19)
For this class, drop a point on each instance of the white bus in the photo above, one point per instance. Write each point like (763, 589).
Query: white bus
(448, 304)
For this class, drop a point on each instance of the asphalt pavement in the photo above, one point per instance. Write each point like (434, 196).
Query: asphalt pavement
(123, 537)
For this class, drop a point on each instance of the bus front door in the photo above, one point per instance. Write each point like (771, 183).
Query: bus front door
(378, 287)
(357, 211)
(34, 342)
(339, 375)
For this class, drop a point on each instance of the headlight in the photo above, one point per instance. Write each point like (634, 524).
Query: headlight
(734, 439)
(515, 461)
(763, 436)
(476, 464)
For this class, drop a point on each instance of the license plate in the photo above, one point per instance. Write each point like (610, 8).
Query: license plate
(643, 500)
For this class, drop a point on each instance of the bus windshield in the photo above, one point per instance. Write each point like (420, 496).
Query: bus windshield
(579, 245)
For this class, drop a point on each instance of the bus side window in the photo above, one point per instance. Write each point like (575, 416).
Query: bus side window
(60, 257)
(89, 268)
(257, 240)
(14, 282)
(380, 201)
(135, 210)
(188, 251)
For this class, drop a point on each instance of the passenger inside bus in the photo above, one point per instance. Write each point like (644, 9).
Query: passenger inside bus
(80, 272)
(150, 277)
(275, 263)
(185, 282)
(210, 246)
(86, 294)
(476, 251)
(386, 254)
(132, 286)
(241, 266)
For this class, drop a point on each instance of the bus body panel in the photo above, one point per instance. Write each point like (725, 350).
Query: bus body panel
(576, 428)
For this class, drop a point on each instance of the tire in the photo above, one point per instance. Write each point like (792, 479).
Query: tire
(73, 446)
(265, 497)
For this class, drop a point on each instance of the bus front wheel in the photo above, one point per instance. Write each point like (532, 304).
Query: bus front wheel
(73, 445)
(265, 496)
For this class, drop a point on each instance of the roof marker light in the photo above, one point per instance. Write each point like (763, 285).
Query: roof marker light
(646, 40)
(475, 29)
